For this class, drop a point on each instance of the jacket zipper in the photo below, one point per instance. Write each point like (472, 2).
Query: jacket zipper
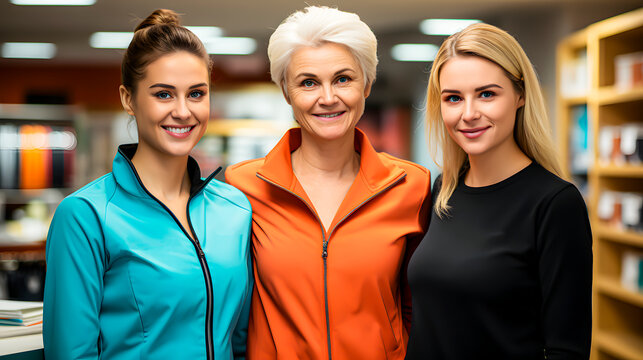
(325, 243)
(209, 346)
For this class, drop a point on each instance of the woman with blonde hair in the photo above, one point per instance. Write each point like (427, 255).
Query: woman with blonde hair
(334, 222)
(505, 270)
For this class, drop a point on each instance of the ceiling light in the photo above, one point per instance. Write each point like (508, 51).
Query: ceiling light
(231, 46)
(54, 2)
(28, 50)
(110, 40)
(445, 26)
(206, 32)
(414, 52)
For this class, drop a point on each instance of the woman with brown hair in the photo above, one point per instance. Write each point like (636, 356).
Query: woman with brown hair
(152, 261)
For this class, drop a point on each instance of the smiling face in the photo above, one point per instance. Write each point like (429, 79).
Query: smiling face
(171, 104)
(326, 89)
(478, 106)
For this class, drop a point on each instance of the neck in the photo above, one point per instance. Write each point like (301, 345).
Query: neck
(327, 158)
(493, 167)
(165, 177)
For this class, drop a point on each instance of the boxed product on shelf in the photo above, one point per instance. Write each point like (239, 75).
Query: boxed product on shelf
(628, 70)
(575, 76)
(581, 140)
(621, 210)
(621, 145)
(632, 271)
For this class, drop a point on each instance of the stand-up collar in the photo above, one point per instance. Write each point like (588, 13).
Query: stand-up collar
(127, 177)
(375, 169)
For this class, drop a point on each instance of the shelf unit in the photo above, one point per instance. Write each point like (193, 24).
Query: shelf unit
(618, 312)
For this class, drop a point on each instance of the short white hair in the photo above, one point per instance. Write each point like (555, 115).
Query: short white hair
(315, 26)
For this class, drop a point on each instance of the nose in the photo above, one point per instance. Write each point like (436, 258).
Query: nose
(470, 112)
(327, 96)
(181, 110)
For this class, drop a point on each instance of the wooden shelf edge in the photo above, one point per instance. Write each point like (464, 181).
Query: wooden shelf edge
(620, 236)
(612, 287)
(608, 95)
(616, 170)
(622, 345)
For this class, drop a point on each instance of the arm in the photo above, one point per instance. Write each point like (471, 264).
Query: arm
(565, 268)
(73, 283)
(423, 217)
(240, 333)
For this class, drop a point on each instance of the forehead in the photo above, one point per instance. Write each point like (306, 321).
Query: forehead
(471, 71)
(176, 67)
(327, 58)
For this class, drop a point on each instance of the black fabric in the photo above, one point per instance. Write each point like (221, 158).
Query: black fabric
(507, 275)
(194, 172)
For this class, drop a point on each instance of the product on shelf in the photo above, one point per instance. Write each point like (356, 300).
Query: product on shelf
(621, 210)
(621, 145)
(628, 70)
(632, 271)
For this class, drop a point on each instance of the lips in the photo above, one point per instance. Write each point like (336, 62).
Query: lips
(179, 131)
(474, 133)
(330, 116)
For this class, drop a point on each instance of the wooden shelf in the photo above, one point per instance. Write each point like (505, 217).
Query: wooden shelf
(612, 287)
(616, 235)
(621, 345)
(618, 171)
(608, 95)
(575, 100)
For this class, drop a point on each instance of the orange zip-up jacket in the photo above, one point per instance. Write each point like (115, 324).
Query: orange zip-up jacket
(341, 293)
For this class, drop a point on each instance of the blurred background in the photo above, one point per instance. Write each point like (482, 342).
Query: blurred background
(61, 118)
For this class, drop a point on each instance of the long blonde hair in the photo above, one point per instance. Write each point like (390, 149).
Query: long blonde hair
(532, 131)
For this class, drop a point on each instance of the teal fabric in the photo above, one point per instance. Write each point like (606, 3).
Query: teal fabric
(125, 282)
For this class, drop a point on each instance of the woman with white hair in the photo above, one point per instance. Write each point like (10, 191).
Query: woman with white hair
(334, 222)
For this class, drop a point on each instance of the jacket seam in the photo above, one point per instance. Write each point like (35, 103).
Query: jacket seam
(395, 159)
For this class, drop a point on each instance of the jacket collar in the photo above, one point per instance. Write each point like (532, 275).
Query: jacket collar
(127, 176)
(376, 172)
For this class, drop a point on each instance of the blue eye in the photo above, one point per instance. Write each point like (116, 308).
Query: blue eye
(164, 95)
(308, 83)
(487, 94)
(343, 79)
(453, 98)
(196, 94)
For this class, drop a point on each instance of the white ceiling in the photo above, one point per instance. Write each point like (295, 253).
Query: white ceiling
(70, 27)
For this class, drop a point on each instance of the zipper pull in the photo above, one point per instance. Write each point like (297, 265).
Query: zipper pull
(198, 246)
(325, 250)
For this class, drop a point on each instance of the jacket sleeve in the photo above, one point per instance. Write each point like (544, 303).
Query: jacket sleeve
(413, 241)
(74, 282)
(564, 242)
(240, 334)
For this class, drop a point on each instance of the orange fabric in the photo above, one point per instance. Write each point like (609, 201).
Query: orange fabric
(379, 223)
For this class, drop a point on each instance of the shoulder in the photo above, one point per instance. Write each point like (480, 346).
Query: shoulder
(411, 168)
(557, 195)
(239, 172)
(92, 197)
(229, 193)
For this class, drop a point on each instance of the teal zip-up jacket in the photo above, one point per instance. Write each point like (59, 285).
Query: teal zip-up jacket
(125, 281)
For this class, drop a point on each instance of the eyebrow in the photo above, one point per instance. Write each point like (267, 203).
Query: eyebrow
(476, 89)
(336, 73)
(174, 87)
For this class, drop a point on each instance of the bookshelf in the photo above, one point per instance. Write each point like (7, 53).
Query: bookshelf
(614, 102)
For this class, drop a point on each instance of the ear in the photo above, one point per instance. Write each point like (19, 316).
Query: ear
(367, 90)
(126, 99)
(521, 101)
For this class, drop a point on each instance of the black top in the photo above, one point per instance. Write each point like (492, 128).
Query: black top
(507, 275)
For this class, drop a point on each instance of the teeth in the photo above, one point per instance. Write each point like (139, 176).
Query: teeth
(330, 115)
(179, 130)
